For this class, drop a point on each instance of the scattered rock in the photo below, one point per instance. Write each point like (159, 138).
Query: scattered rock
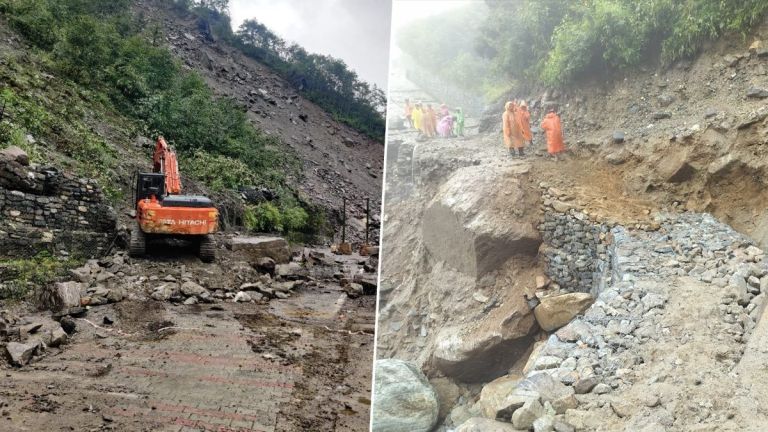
(403, 399)
(545, 423)
(265, 265)
(497, 399)
(665, 99)
(190, 288)
(242, 297)
(68, 324)
(58, 337)
(463, 206)
(165, 291)
(556, 311)
(585, 385)
(354, 290)
(757, 93)
(524, 416)
(20, 354)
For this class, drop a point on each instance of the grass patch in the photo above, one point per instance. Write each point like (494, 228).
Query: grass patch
(20, 277)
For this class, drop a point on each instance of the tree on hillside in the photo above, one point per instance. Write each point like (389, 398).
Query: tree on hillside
(325, 80)
(257, 34)
(561, 41)
(220, 6)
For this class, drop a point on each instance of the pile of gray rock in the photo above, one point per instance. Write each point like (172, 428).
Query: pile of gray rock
(585, 355)
(23, 339)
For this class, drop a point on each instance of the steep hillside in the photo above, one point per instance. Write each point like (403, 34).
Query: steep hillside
(336, 161)
(152, 70)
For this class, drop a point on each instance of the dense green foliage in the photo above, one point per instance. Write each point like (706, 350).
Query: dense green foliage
(267, 217)
(103, 47)
(325, 80)
(560, 41)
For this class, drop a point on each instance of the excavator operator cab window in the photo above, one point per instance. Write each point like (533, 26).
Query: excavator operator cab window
(148, 184)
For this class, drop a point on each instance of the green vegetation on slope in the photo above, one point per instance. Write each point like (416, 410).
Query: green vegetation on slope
(558, 42)
(114, 58)
(325, 80)
(22, 275)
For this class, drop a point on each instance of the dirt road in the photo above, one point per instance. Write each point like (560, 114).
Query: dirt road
(293, 364)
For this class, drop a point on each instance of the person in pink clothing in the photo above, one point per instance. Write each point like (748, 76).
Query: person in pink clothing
(445, 127)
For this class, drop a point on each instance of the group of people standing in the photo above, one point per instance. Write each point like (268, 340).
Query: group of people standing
(516, 126)
(430, 122)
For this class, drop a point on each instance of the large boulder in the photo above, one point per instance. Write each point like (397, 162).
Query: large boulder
(480, 218)
(556, 311)
(61, 295)
(479, 424)
(484, 352)
(403, 399)
(260, 247)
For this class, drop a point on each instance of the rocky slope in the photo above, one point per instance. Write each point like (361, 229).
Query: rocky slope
(337, 161)
(645, 306)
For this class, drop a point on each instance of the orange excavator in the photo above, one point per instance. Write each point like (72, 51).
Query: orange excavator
(162, 212)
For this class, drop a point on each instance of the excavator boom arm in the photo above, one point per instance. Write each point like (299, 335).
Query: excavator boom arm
(166, 163)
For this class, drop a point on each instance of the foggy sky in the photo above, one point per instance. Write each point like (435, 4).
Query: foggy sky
(356, 31)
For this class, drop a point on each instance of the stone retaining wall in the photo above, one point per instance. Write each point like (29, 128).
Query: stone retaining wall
(576, 250)
(43, 208)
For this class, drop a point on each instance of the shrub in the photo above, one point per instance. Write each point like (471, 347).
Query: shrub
(86, 49)
(295, 219)
(264, 217)
(217, 171)
(18, 276)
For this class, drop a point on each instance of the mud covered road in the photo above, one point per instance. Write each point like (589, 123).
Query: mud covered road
(293, 364)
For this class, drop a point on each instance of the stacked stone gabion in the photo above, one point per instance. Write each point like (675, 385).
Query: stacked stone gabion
(575, 250)
(41, 207)
(597, 353)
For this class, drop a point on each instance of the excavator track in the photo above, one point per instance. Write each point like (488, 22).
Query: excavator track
(137, 247)
(207, 251)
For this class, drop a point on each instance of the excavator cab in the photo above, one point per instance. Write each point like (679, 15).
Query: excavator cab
(149, 184)
(161, 210)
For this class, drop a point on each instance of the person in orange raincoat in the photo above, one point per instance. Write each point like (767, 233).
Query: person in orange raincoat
(408, 113)
(554, 130)
(524, 119)
(513, 136)
(432, 123)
